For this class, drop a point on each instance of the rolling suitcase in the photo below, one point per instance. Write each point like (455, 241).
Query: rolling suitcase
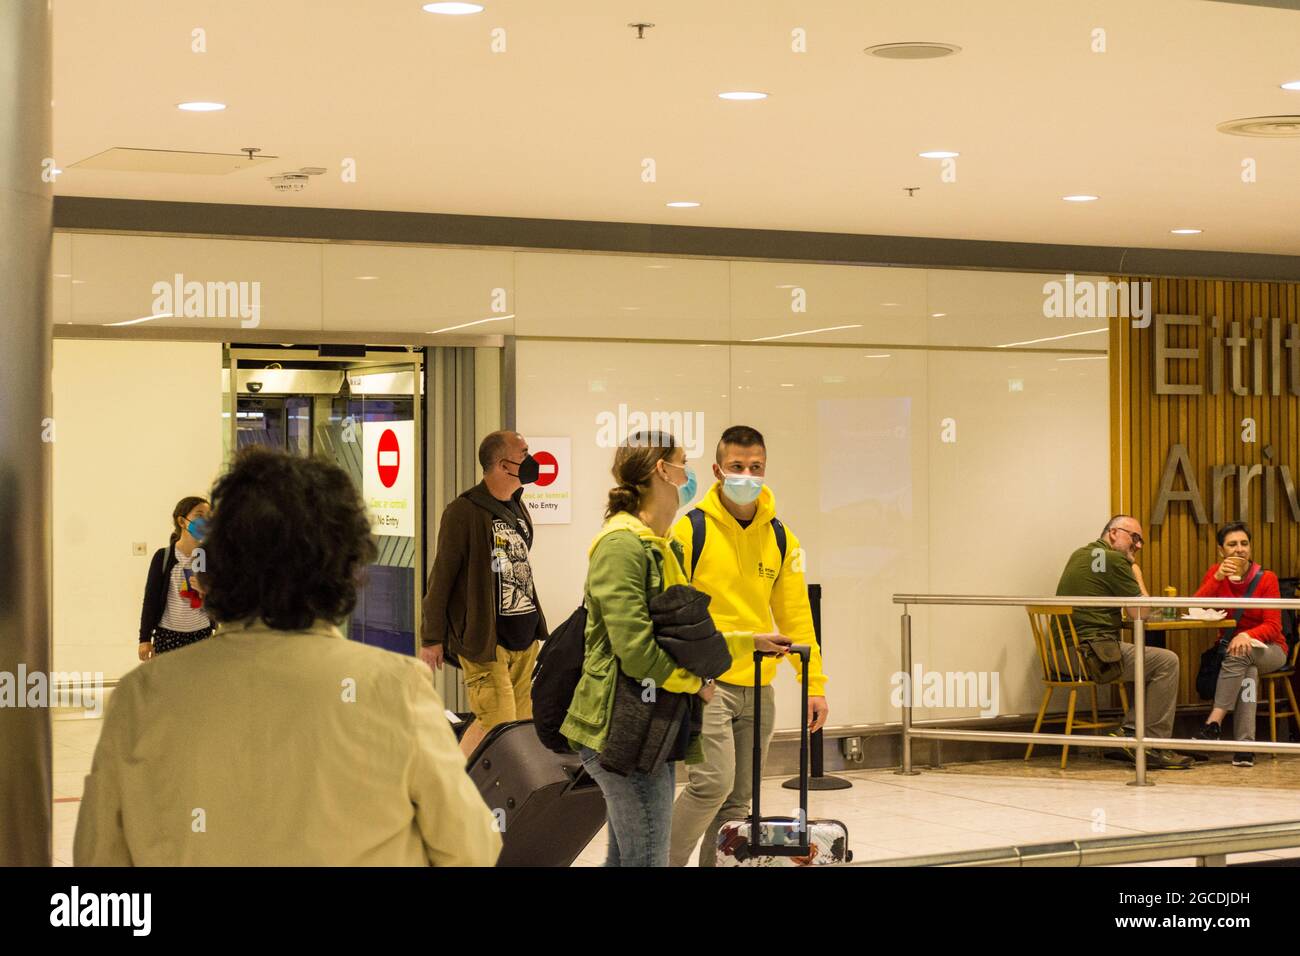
(782, 841)
(546, 804)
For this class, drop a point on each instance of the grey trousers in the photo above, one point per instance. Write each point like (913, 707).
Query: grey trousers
(720, 788)
(1161, 675)
(1238, 686)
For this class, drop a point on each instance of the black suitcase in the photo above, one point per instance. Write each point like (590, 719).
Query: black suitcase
(546, 804)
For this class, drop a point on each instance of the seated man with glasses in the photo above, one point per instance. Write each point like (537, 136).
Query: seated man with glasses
(1108, 567)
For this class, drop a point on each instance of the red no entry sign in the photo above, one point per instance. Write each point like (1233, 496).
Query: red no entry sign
(548, 469)
(388, 458)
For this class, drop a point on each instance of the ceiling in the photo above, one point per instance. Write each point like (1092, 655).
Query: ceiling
(557, 125)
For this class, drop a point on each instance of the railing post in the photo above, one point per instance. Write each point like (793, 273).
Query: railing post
(908, 691)
(1140, 699)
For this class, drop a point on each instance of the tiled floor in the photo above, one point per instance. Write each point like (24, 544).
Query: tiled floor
(74, 745)
(995, 804)
(936, 811)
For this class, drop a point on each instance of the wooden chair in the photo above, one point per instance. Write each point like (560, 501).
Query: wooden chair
(1058, 647)
(1283, 676)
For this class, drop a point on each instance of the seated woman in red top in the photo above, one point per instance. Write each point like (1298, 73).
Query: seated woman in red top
(1257, 644)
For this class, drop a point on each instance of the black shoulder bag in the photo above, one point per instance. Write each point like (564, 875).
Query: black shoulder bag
(1207, 678)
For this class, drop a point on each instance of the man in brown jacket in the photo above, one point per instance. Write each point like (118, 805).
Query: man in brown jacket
(481, 608)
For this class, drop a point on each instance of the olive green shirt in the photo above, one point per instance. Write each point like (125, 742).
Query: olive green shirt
(1096, 570)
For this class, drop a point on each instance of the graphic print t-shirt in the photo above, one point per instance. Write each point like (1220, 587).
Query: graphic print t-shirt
(184, 609)
(516, 599)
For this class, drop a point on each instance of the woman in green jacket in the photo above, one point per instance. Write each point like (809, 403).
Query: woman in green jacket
(632, 560)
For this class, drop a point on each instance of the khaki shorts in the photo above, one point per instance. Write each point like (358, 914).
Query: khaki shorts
(501, 691)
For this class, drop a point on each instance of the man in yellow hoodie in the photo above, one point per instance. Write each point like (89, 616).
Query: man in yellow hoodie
(752, 568)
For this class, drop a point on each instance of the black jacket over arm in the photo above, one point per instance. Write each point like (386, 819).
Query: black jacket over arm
(155, 591)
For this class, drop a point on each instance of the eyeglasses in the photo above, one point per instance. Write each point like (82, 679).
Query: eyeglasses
(1135, 537)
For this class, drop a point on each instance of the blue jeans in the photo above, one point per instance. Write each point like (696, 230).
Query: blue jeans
(640, 810)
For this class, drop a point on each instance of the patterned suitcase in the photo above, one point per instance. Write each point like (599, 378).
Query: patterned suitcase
(783, 841)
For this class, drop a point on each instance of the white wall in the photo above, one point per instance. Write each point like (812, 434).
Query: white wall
(137, 428)
(882, 504)
(860, 471)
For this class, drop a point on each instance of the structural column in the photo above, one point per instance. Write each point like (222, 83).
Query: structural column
(26, 204)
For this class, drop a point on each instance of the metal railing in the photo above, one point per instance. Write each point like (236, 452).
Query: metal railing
(1139, 742)
(1207, 847)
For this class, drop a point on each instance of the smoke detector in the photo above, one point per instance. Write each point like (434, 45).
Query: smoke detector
(1272, 127)
(294, 181)
(914, 50)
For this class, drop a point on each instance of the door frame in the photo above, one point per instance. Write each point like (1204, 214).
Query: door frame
(414, 361)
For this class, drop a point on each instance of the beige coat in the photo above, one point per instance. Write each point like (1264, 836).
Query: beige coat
(284, 748)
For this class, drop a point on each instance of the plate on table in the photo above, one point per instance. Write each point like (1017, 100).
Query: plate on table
(1204, 614)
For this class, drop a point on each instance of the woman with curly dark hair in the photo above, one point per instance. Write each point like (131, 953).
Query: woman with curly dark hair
(295, 746)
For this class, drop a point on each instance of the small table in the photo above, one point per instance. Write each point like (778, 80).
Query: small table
(1183, 624)
(1188, 651)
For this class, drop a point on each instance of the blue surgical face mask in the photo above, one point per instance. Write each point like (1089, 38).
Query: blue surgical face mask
(686, 492)
(198, 528)
(742, 489)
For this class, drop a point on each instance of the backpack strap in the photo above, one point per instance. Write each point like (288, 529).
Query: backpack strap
(779, 530)
(1250, 591)
(699, 527)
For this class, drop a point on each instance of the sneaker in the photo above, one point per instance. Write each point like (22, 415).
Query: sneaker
(1243, 760)
(1167, 760)
(1208, 731)
(1126, 753)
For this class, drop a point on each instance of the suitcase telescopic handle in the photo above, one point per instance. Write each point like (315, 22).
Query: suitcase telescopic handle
(805, 656)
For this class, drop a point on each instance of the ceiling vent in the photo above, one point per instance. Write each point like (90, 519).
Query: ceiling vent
(913, 50)
(294, 181)
(1272, 127)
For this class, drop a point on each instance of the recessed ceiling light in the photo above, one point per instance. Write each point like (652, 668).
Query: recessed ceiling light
(1292, 85)
(683, 204)
(742, 95)
(200, 107)
(888, 304)
(1186, 232)
(1082, 197)
(453, 9)
(939, 154)
(912, 50)
(365, 278)
(937, 315)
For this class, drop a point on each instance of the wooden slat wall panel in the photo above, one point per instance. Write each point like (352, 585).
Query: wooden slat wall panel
(1144, 425)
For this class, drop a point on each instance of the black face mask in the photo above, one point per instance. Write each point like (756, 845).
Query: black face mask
(527, 469)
